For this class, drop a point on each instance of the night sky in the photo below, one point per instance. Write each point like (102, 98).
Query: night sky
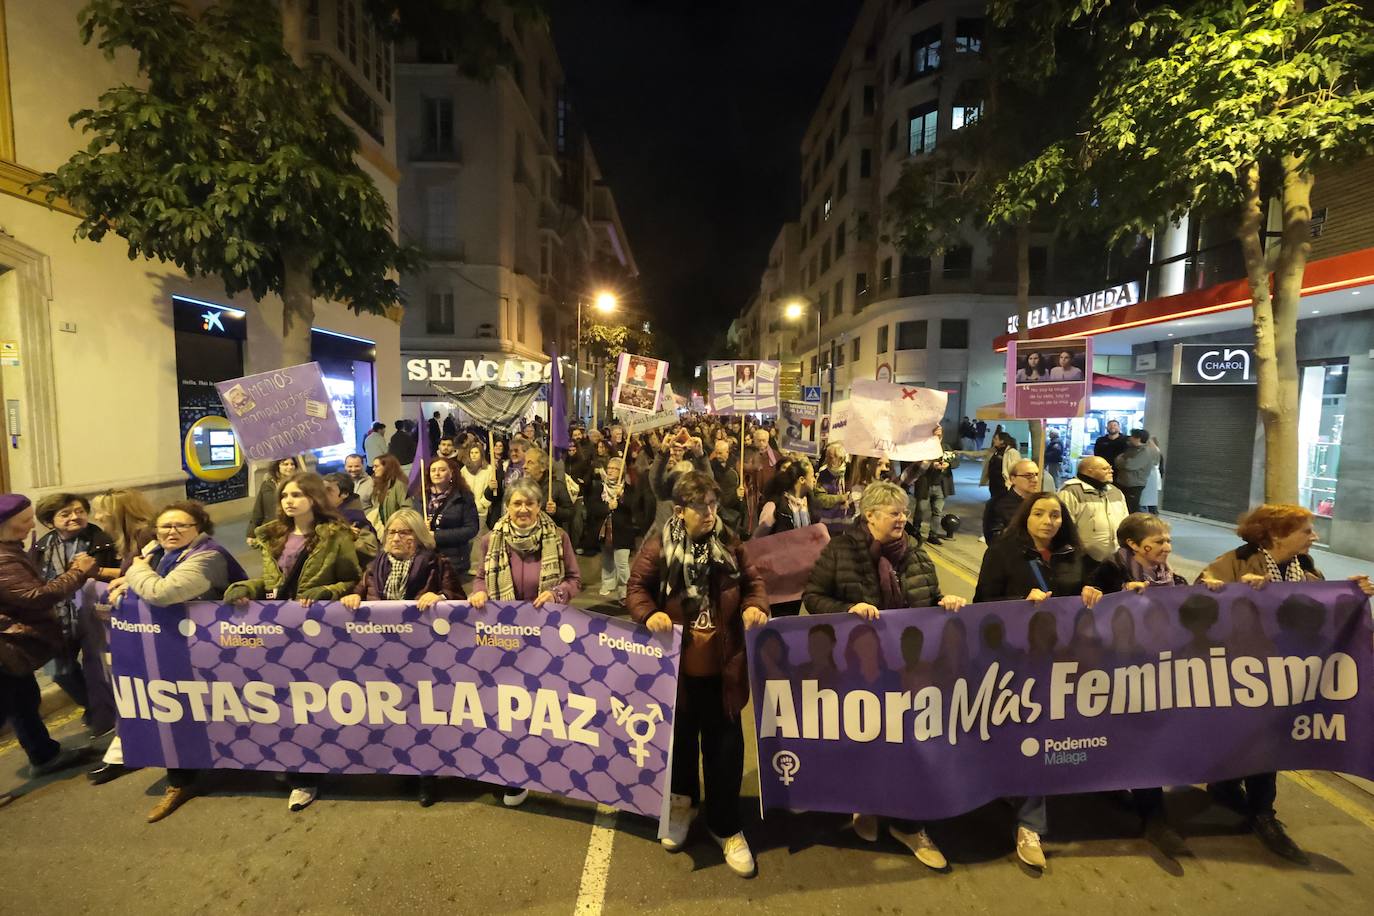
(696, 110)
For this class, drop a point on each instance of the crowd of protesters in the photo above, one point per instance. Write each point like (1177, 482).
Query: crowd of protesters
(451, 513)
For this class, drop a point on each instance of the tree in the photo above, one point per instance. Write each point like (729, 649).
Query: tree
(1222, 107)
(230, 162)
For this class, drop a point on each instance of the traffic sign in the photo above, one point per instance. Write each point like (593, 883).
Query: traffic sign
(811, 394)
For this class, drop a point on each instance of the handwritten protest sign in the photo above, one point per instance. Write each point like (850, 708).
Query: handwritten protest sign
(281, 413)
(894, 421)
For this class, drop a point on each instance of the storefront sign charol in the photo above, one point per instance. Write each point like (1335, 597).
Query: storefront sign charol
(557, 700)
(926, 715)
(1104, 300)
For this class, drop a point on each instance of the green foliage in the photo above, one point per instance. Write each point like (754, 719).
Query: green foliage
(608, 341)
(228, 157)
(466, 27)
(1198, 94)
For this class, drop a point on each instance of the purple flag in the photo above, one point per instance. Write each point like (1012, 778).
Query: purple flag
(558, 409)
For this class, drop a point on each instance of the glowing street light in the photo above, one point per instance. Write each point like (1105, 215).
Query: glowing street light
(606, 302)
(793, 311)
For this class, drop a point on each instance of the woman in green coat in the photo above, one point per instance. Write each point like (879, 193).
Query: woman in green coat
(307, 555)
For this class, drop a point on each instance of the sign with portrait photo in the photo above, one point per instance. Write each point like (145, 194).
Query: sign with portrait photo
(639, 383)
(743, 386)
(1048, 379)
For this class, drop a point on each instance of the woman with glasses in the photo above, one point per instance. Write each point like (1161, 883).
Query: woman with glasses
(307, 555)
(695, 574)
(185, 563)
(872, 566)
(525, 557)
(409, 568)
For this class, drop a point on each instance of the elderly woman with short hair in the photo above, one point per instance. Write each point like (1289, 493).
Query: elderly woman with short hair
(1277, 540)
(872, 566)
(525, 557)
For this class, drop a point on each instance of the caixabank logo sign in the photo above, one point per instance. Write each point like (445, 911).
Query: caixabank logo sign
(1060, 752)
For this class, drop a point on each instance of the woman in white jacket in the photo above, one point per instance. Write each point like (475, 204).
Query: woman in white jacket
(477, 473)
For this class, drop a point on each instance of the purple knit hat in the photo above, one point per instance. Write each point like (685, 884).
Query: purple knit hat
(11, 504)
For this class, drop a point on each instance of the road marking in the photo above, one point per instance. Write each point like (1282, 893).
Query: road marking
(53, 723)
(1332, 797)
(597, 866)
(950, 567)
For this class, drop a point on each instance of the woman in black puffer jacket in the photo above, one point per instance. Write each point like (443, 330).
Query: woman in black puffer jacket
(451, 511)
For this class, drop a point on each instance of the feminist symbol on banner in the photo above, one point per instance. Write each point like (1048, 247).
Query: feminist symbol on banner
(787, 765)
(626, 717)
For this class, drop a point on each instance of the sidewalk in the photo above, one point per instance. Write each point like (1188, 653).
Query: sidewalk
(1197, 542)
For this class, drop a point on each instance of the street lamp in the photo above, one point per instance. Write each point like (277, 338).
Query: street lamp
(604, 302)
(793, 311)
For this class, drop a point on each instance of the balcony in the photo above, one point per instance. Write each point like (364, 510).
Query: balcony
(445, 151)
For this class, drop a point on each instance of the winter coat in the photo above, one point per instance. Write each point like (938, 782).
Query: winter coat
(387, 503)
(830, 493)
(455, 529)
(30, 633)
(329, 568)
(628, 519)
(731, 506)
(1008, 461)
(998, 513)
(730, 595)
(1097, 513)
(1009, 565)
(429, 572)
(1108, 448)
(846, 574)
(265, 505)
(202, 572)
(1133, 465)
(1230, 566)
(93, 540)
(930, 475)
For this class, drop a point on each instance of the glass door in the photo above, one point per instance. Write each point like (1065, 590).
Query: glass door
(1321, 417)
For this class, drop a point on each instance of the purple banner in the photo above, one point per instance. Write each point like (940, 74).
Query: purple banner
(281, 413)
(926, 715)
(556, 700)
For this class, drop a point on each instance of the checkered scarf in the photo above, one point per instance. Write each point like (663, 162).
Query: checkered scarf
(1274, 574)
(394, 589)
(545, 539)
(688, 564)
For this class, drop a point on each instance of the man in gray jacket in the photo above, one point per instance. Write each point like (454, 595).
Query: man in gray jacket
(1133, 466)
(1096, 505)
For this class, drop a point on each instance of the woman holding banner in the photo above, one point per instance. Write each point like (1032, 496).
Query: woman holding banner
(872, 566)
(1038, 556)
(1277, 540)
(307, 555)
(525, 557)
(185, 563)
(411, 567)
(695, 574)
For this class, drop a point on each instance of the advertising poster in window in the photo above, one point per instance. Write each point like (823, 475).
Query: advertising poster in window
(743, 386)
(639, 383)
(1048, 379)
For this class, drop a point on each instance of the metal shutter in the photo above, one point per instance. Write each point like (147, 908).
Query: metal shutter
(1211, 450)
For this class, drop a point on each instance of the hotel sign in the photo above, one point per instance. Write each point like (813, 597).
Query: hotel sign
(1104, 300)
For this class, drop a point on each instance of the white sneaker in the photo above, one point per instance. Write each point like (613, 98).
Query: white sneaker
(514, 798)
(866, 827)
(1028, 847)
(921, 846)
(679, 822)
(738, 858)
(301, 798)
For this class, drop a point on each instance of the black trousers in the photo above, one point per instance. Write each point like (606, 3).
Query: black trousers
(180, 778)
(1133, 497)
(703, 727)
(19, 700)
(1261, 790)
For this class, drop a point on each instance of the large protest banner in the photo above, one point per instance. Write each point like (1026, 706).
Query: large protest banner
(281, 413)
(557, 700)
(925, 715)
(893, 421)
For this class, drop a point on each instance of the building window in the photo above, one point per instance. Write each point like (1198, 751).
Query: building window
(921, 128)
(814, 273)
(439, 313)
(803, 235)
(844, 121)
(824, 306)
(839, 297)
(882, 339)
(911, 335)
(441, 219)
(828, 204)
(842, 180)
(830, 149)
(953, 333)
(854, 350)
(860, 286)
(814, 360)
(869, 100)
(839, 239)
(437, 136)
(815, 220)
(816, 172)
(959, 263)
(896, 72)
(966, 114)
(915, 276)
(865, 163)
(1321, 420)
(312, 20)
(892, 136)
(885, 275)
(968, 36)
(925, 52)
(838, 350)
(825, 256)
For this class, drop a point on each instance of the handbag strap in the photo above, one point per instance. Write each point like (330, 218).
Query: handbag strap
(1039, 576)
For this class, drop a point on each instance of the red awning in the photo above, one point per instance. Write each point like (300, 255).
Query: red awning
(1118, 386)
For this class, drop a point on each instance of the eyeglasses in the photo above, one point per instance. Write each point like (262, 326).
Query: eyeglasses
(403, 535)
(1027, 476)
(703, 508)
(173, 528)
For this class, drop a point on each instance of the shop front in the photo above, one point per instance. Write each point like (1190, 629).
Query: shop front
(428, 371)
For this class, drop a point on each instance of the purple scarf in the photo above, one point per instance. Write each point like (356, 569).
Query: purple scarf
(1137, 571)
(888, 558)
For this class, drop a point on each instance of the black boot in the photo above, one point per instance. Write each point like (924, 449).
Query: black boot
(1277, 840)
(106, 772)
(429, 790)
(1165, 838)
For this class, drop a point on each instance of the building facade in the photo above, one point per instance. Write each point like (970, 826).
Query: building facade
(110, 361)
(502, 191)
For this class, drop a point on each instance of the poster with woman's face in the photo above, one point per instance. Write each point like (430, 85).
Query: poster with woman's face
(639, 386)
(746, 378)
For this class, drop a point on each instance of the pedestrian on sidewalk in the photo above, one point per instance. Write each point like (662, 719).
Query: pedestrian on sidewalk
(889, 569)
(1038, 557)
(934, 483)
(1054, 461)
(1154, 484)
(997, 466)
(1096, 505)
(695, 574)
(1111, 444)
(1278, 538)
(968, 435)
(980, 429)
(30, 633)
(185, 563)
(1133, 466)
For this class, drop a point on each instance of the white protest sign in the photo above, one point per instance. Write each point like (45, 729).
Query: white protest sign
(642, 423)
(894, 421)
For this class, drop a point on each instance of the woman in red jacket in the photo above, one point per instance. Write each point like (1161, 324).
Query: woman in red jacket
(693, 573)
